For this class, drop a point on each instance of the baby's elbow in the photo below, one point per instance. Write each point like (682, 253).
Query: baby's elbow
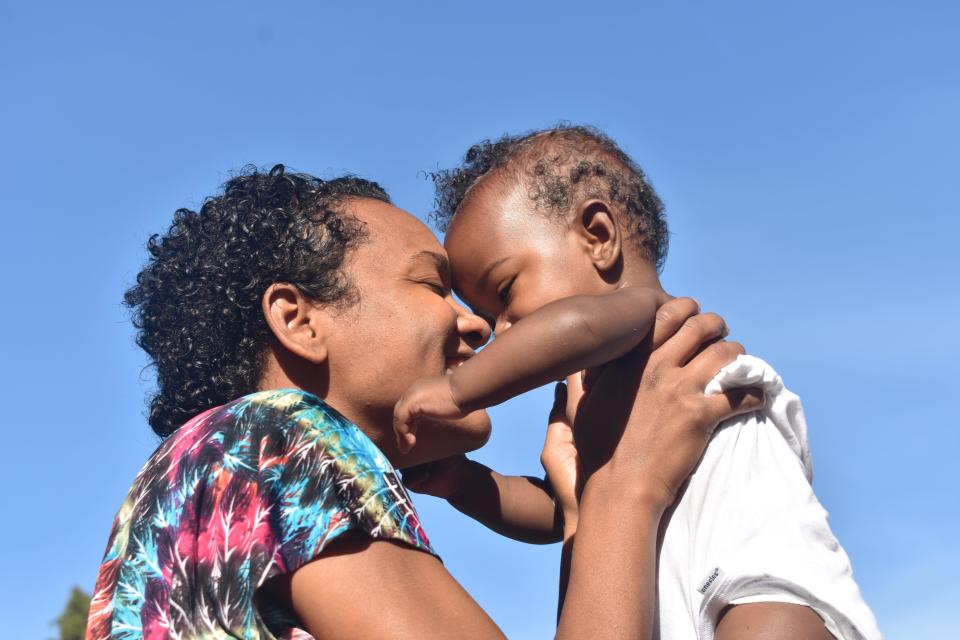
(576, 320)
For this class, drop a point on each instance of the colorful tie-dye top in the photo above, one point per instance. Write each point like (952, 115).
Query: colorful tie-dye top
(239, 494)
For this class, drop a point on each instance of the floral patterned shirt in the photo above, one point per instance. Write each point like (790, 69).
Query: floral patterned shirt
(239, 494)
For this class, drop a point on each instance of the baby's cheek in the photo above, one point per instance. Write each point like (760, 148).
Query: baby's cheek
(546, 294)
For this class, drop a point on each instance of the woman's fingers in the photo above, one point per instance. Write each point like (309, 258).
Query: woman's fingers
(684, 344)
(734, 403)
(706, 364)
(670, 317)
(574, 395)
(558, 412)
(559, 456)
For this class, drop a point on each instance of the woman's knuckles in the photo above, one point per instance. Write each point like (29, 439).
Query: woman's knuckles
(708, 325)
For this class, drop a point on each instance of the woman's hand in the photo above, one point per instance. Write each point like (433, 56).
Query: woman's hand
(639, 431)
(646, 421)
(559, 456)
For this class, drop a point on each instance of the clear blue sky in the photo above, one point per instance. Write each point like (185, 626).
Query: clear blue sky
(807, 152)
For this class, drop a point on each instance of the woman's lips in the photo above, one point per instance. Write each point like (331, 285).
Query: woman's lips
(453, 362)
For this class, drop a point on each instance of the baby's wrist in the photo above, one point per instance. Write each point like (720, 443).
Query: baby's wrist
(457, 394)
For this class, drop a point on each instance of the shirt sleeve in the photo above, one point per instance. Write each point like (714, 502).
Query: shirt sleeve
(323, 477)
(761, 534)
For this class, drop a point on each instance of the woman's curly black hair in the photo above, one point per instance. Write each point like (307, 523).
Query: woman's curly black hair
(559, 165)
(197, 302)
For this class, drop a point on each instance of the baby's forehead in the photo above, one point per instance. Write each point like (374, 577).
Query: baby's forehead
(468, 249)
(494, 204)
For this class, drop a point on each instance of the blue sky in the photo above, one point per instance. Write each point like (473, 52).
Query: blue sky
(807, 153)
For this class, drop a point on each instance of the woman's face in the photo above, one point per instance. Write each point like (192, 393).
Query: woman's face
(405, 326)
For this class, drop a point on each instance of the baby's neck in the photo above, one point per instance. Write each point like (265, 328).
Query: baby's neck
(641, 273)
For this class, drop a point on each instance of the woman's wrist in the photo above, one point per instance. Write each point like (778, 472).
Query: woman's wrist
(606, 488)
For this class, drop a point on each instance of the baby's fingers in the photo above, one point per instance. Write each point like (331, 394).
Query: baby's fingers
(404, 424)
(406, 442)
(406, 437)
(415, 477)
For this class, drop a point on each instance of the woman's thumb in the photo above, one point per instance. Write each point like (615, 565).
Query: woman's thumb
(558, 412)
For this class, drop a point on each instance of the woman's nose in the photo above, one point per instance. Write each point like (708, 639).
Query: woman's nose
(472, 328)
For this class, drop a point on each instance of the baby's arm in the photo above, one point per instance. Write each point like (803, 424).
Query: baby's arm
(561, 338)
(517, 507)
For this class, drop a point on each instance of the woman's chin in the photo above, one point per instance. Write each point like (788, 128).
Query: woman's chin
(475, 430)
(436, 440)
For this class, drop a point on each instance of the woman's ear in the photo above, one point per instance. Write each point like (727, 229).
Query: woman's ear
(600, 234)
(296, 322)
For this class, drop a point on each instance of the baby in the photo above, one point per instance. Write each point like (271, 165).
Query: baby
(556, 237)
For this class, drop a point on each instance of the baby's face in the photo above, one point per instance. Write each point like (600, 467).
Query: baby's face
(508, 259)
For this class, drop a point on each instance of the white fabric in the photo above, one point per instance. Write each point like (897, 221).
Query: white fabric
(748, 527)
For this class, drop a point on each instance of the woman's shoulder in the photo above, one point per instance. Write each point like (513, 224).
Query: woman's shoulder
(293, 419)
(265, 433)
(312, 460)
(261, 414)
(243, 492)
(291, 405)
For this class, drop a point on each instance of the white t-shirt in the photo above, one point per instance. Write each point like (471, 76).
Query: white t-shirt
(748, 527)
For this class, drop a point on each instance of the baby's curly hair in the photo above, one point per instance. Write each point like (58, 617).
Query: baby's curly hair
(197, 302)
(560, 166)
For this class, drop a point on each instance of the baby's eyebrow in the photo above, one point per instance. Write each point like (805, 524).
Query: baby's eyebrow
(493, 265)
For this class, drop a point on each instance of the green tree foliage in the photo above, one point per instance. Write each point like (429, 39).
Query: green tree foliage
(73, 621)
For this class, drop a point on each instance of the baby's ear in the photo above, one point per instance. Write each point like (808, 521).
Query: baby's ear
(599, 231)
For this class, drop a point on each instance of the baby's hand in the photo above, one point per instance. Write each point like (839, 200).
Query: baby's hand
(426, 398)
(441, 478)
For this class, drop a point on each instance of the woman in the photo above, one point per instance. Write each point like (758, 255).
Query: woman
(284, 320)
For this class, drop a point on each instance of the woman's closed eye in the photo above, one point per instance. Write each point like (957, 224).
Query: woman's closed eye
(436, 286)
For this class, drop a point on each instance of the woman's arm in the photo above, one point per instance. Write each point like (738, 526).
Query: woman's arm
(645, 417)
(375, 589)
(371, 589)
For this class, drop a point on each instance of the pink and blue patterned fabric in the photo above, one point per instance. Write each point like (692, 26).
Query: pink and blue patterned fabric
(239, 494)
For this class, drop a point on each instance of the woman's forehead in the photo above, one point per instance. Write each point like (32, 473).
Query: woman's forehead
(394, 232)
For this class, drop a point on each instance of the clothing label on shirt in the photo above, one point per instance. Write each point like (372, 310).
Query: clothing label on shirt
(708, 582)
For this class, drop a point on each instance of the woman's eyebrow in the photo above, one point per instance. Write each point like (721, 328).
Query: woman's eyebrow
(440, 260)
